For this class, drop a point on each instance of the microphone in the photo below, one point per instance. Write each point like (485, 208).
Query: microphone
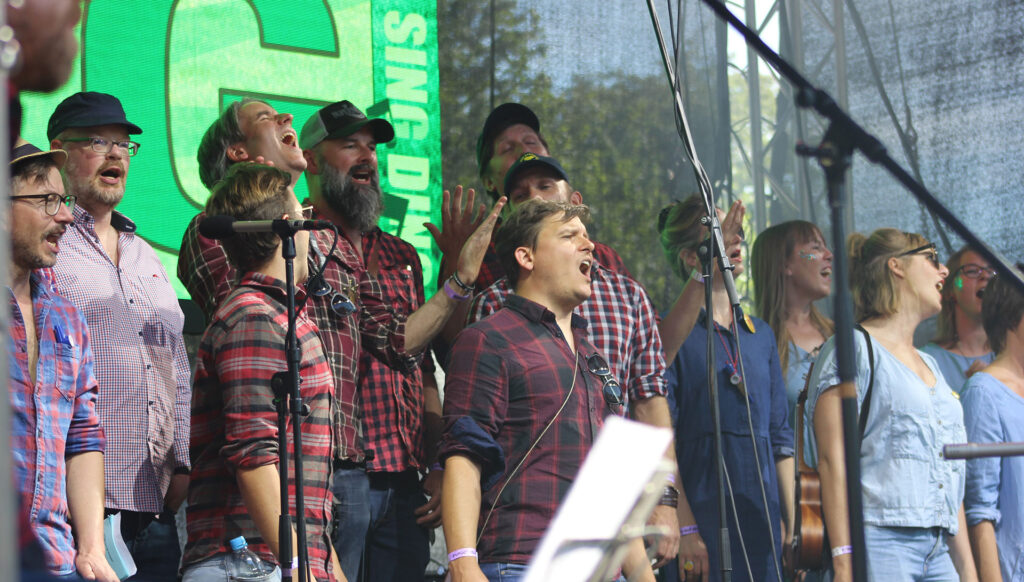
(220, 226)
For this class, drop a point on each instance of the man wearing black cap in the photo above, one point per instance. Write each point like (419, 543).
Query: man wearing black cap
(57, 441)
(116, 280)
(378, 489)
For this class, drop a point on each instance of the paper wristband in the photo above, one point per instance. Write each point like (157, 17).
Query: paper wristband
(688, 529)
(462, 553)
(840, 550)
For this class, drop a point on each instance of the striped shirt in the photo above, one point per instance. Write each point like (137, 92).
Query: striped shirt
(141, 363)
(623, 327)
(234, 422)
(52, 419)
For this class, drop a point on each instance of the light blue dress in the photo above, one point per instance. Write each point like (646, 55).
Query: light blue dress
(799, 364)
(995, 486)
(953, 365)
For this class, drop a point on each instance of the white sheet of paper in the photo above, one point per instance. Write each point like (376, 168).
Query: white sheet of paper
(625, 458)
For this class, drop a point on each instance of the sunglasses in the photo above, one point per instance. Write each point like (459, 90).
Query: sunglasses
(340, 304)
(930, 253)
(612, 390)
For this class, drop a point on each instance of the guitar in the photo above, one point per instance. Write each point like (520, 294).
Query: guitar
(808, 547)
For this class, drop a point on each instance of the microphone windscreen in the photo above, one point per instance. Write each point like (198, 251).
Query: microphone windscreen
(217, 227)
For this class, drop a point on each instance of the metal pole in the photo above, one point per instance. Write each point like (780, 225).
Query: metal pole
(8, 504)
(756, 143)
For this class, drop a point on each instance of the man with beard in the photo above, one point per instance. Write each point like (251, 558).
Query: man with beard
(401, 411)
(57, 441)
(117, 282)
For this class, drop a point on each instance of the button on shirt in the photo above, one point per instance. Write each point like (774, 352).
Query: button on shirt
(508, 376)
(376, 327)
(906, 480)
(141, 363)
(234, 422)
(51, 419)
(622, 325)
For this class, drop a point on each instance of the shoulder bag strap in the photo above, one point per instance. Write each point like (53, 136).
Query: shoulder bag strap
(862, 422)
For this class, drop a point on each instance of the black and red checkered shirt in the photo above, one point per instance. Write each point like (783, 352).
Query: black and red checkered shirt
(508, 376)
(377, 327)
(392, 400)
(234, 423)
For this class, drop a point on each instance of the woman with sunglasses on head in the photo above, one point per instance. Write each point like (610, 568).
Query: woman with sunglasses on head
(757, 448)
(994, 411)
(913, 511)
(961, 346)
(791, 267)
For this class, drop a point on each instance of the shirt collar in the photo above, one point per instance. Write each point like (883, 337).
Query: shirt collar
(272, 286)
(120, 222)
(536, 312)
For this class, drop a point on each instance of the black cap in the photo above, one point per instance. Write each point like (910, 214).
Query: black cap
(503, 116)
(23, 150)
(88, 109)
(527, 161)
(339, 120)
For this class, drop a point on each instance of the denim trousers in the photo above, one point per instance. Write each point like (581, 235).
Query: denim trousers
(351, 518)
(397, 549)
(503, 572)
(154, 548)
(215, 569)
(908, 554)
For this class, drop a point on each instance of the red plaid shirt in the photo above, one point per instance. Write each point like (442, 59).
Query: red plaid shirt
(622, 323)
(378, 328)
(392, 400)
(234, 423)
(509, 374)
(52, 418)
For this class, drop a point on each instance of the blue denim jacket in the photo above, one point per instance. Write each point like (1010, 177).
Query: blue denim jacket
(906, 481)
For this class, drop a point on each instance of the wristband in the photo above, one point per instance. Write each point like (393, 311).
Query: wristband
(453, 294)
(671, 477)
(687, 530)
(697, 276)
(436, 467)
(294, 566)
(462, 553)
(841, 550)
(455, 279)
(669, 497)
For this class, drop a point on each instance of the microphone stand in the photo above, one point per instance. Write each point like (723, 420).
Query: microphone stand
(288, 399)
(835, 154)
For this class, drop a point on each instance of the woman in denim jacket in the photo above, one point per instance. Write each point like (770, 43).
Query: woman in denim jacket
(913, 499)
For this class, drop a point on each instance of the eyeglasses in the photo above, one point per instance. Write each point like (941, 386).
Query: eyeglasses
(51, 201)
(103, 146)
(972, 271)
(339, 302)
(307, 212)
(612, 390)
(932, 255)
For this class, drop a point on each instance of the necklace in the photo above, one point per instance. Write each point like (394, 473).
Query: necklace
(732, 362)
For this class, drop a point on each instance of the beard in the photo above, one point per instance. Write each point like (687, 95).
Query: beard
(28, 252)
(91, 190)
(359, 204)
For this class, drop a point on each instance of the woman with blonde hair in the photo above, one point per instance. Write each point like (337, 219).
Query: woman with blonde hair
(914, 522)
(791, 268)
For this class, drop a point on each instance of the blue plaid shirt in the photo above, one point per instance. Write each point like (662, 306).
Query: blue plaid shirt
(52, 419)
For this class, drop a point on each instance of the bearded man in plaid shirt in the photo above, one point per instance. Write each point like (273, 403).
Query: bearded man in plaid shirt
(525, 396)
(235, 486)
(57, 441)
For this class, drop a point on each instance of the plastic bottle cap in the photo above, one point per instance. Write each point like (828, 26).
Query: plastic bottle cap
(238, 543)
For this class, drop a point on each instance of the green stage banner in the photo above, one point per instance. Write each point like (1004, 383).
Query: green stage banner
(175, 64)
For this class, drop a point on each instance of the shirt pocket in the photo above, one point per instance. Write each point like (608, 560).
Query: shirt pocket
(68, 361)
(399, 287)
(910, 434)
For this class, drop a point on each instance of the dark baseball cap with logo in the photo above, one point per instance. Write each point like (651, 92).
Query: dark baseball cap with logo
(88, 109)
(503, 117)
(339, 120)
(527, 161)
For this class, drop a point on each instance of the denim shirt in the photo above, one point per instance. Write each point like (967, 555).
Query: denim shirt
(995, 486)
(906, 482)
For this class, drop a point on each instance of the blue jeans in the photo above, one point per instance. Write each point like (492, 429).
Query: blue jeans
(397, 549)
(351, 518)
(215, 569)
(156, 552)
(908, 554)
(504, 572)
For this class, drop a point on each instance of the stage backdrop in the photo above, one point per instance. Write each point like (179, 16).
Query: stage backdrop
(176, 64)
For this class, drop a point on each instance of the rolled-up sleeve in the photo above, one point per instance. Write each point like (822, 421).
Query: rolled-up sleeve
(981, 415)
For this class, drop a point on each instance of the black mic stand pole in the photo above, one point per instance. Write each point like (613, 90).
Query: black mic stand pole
(289, 399)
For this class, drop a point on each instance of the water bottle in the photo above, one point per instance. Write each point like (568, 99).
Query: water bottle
(244, 564)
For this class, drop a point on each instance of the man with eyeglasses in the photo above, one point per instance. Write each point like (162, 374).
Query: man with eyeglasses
(116, 280)
(57, 440)
(526, 393)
